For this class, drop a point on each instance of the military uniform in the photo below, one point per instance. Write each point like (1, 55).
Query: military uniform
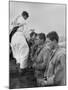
(57, 67)
(41, 61)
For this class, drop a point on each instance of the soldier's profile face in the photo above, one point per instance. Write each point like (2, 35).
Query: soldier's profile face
(37, 40)
(49, 43)
(25, 17)
(33, 36)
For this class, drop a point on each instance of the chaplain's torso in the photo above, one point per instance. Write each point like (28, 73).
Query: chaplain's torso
(20, 47)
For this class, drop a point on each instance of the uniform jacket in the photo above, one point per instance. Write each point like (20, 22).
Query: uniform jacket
(57, 67)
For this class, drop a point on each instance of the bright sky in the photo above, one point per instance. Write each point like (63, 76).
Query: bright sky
(43, 17)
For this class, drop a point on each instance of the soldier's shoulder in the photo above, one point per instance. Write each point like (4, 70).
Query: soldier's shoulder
(45, 50)
(61, 51)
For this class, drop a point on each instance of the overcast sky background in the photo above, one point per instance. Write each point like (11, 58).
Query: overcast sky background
(43, 17)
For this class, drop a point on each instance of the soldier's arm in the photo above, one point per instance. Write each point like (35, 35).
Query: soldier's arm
(35, 53)
(44, 62)
(60, 69)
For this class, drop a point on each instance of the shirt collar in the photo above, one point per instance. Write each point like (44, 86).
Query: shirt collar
(54, 50)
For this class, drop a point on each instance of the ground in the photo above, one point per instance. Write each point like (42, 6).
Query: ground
(26, 80)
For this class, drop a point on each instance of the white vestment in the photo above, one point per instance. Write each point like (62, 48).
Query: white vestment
(19, 45)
